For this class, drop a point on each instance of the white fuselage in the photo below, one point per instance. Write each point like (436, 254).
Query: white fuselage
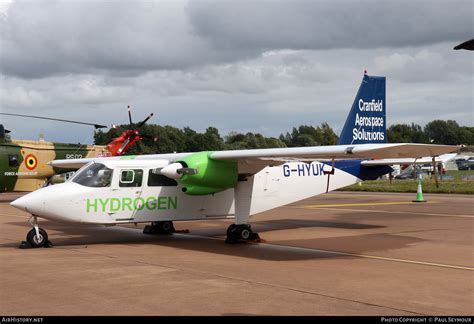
(270, 188)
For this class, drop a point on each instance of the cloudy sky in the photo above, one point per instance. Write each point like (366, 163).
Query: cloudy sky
(260, 66)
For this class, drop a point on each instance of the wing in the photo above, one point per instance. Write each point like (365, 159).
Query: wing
(358, 151)
(252, 160)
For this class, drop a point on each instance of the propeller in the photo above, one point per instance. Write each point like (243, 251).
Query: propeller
(176, 170)
(187, 171)
(56, 119)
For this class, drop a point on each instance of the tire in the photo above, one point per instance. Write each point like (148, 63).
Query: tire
(167, 227)
(231, 229)
(35, 241)
(245, 233)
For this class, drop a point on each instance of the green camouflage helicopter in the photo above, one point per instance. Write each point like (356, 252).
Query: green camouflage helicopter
(24, 163)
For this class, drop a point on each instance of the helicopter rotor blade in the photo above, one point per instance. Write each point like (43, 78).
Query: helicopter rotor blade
(145, 120)
(56, 119)
(149, 138)
(130, 114)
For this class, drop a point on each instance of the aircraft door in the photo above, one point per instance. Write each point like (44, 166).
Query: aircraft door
(125, 201)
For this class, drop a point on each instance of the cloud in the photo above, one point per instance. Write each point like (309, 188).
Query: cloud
(307, 24)
(421, 66)
(261, 66)
(40, 39)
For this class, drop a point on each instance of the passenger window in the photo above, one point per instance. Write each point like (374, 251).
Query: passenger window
(159, 180)
(13, 160)
(131, 178)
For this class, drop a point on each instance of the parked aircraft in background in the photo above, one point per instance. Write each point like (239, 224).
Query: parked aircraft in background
(24, 163)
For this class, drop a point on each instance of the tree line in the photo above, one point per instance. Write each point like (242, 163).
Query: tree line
(172, 139)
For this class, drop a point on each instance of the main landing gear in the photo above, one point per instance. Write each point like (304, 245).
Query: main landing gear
(165, 227)
(240, 234)
(37, 237)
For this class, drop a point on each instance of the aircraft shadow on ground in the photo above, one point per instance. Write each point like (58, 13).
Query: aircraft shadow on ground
(204, 239)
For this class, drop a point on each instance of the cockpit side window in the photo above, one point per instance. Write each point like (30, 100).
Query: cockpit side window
(94, 175)
(131, 178)
(13, 160)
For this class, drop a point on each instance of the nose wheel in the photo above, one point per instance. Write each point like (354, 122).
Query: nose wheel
(36, 237)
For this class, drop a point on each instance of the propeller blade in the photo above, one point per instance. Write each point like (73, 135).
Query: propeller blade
(145, 120)
(56, 119)
(187, 171)
(7, 131)
(129, 114)
(156, 171)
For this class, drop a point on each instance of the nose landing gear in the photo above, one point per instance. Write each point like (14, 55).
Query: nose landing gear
(36, 237)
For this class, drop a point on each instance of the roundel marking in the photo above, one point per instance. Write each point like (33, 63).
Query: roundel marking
(31, 162)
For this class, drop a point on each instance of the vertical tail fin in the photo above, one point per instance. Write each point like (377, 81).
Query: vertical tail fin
(366, 122)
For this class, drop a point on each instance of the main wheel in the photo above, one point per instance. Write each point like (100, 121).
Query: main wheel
(231, 229)
(166, 227)
(245, 233)
(37, 240)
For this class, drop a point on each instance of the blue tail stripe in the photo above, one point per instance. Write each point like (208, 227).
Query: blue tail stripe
(355, 168)
(366, 122)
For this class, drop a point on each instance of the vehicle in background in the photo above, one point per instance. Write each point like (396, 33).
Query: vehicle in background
(465, 164)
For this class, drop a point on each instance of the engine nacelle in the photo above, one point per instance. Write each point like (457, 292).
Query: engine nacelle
(209, 176)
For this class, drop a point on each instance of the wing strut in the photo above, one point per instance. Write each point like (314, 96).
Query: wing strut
(329, 173)
(433, 162)
(414, 169)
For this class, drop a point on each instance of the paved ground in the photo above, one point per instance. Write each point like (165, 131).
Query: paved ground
(336, 254)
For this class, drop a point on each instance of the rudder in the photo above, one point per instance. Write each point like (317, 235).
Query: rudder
(366, 122)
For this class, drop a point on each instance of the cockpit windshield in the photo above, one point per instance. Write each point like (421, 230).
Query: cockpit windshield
(94, 175)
